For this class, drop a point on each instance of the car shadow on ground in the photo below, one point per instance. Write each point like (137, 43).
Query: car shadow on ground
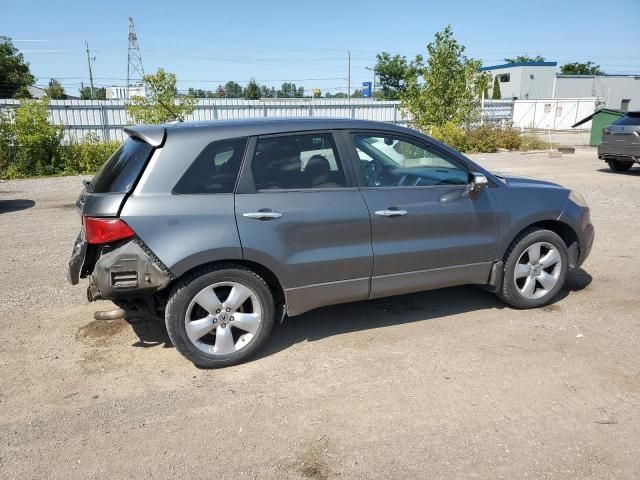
(384, 312)
(357, 316)
(633, 172)
(15, 205)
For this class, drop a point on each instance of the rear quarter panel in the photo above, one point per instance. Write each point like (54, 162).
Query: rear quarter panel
(183, 231)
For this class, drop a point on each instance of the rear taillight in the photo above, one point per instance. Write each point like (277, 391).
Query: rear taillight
(106, 230)
(605, 131)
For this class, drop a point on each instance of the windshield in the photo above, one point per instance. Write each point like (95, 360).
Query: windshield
(629, 119)
(121, 170)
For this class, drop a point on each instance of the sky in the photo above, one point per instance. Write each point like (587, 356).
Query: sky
(207, 43)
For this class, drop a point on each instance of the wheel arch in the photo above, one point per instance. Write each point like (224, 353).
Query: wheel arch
(562, 229)
(274, 284)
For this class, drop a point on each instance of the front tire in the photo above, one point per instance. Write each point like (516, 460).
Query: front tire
(220, 316)
(535, 269)
(620, 165)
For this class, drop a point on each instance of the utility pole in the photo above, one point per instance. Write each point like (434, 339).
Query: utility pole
(90, 72)
(349, 77)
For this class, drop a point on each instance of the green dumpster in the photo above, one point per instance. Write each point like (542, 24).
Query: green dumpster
(600, 119)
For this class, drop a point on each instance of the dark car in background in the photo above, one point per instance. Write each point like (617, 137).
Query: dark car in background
(223, 227)
(620, 146)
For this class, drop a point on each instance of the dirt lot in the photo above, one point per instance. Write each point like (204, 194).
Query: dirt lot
(444, 384)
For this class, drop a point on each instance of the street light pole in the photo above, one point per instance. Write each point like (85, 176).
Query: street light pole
(349, 76)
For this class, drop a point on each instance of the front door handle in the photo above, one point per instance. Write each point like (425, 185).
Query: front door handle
(263, 215)
(391, 212)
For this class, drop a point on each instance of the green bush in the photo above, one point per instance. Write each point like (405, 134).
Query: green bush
(483, 139)
(509, 138)
(531, 141)
(86, 156)
(30, 146)
(487, 138)
(452, 135)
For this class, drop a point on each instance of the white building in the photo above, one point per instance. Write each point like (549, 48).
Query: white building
(524, 80)
(539, 80)
(619, 92)
(120, 93)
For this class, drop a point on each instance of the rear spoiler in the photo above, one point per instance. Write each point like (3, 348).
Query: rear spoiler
(154, 135)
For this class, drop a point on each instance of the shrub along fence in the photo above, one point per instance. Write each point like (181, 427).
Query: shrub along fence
(33, 142)
(106, 118)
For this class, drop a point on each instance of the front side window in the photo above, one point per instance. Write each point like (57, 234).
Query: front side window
(305, 161)
(389, 161)
(215, 169)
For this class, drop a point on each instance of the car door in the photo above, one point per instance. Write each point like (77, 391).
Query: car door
(300, 213)
(427, 230)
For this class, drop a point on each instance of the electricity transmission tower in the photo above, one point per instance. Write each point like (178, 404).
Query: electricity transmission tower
(135, 71)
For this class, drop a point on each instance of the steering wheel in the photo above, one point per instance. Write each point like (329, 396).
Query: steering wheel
(371, 173)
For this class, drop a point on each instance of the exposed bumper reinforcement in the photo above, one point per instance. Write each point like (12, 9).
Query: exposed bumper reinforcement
(127, 271)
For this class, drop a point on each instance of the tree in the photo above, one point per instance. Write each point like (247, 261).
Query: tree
(15, 75)
(393, 72)
(289, 90)
(525, 58)
(266, 92)
(252, 91)
(162, 103)
(496, 94)
(232, 90)
(55, 90)
(198, 92)
(98, 93)
(449, 88)
(29, 144)
(577, 68)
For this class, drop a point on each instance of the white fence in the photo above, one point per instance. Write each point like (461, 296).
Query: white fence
(553, 114)
(106, 118)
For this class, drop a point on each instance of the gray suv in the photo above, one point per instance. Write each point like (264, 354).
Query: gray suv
(224, 227)
(620, 146)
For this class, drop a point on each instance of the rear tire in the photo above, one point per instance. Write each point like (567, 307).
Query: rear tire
(620, 165)
(219, 316)
(535, 269)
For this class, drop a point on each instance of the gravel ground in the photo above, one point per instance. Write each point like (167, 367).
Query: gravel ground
(443, 384)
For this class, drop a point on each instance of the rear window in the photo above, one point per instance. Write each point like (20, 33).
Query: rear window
(628, 119)
(120, 171)
(215, 169)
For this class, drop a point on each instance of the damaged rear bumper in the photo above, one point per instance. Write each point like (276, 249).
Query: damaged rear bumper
(125, 272)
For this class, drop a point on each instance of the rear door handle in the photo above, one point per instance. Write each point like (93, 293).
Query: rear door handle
(262, 215)
(391, 212)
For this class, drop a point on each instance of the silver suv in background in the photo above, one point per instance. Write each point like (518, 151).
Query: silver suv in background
(620, 146)
(223, 227)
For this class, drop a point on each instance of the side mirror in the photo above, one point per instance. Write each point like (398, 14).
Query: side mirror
(478, 183)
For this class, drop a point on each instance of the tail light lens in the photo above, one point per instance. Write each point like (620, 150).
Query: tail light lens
(605, 131)
(106, 230)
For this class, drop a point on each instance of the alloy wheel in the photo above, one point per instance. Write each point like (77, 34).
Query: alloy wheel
(223, 318)
(538, 269)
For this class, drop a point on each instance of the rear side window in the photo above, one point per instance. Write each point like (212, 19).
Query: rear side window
(121, 170)
(297, 162)
(215, 169)
(628, 119)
